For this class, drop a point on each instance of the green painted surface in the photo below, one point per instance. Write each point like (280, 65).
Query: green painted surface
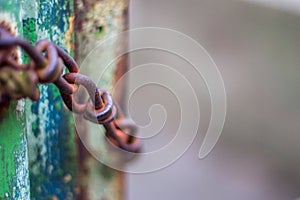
(14, 181)
(14, 173)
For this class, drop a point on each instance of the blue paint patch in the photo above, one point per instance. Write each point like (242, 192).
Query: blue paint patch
(52, 142)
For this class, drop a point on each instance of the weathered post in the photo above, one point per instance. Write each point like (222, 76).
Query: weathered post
(96, 21)
(41, 155)
(50, 129)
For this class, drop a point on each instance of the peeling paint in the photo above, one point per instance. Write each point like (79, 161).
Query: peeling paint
(29, 5)
(20, 106)
(51, 136)
(50, 159)
(21, 189)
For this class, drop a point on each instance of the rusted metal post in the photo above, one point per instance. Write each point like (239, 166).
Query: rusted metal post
(95, 21)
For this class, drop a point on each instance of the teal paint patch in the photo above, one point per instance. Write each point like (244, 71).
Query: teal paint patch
(54, 148)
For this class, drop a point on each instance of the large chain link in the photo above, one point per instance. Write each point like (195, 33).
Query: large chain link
(46, 66)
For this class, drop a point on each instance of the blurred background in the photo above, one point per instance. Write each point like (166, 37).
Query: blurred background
(256, 46)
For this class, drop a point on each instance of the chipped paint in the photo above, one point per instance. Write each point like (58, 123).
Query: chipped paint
(50, 129)
(49, 126)
(29, 5)
(21, 189)
(14, 162)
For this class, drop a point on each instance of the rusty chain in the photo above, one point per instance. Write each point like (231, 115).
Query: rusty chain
(46, 61)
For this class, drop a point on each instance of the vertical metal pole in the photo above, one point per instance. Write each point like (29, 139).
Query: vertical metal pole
(95, 21)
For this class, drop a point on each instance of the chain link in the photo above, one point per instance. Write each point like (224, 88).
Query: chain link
(46, 66)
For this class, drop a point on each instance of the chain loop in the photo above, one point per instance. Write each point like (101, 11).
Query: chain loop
(46, 66)
(53, 68)
(104, 114)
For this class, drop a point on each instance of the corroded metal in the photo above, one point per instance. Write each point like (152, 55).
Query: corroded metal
(99, 108)
(94, 22)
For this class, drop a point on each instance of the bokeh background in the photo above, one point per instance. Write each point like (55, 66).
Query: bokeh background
(256, 46)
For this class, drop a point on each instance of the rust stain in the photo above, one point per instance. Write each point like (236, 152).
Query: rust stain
(7, 26)
(12, 30)
(95, 21)
(69, 33)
